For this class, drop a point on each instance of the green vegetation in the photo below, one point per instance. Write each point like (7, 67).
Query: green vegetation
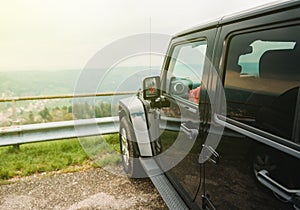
(56, 113)
(44, 83)
(61, 155)
(64, 155)
(103, 152)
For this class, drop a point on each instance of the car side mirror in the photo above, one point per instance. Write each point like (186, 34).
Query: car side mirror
(151, 88)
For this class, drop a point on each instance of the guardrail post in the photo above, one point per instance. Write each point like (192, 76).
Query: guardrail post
(14, 116)
(14, 120)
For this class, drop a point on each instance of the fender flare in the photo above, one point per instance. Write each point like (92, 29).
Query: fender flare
(133, 108)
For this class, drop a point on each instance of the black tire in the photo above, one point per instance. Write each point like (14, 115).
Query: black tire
(128, 148)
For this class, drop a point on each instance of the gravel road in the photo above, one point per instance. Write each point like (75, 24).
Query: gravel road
(89, 189)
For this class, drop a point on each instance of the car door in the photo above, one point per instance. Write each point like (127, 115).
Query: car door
(259, 165)
(179, 122)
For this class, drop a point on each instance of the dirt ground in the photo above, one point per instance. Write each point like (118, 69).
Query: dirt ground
(89, 189)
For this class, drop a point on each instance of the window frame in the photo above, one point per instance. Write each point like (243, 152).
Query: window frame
(169, 61)
(290, 146)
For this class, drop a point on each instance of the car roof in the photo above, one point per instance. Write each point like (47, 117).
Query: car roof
(256, 11)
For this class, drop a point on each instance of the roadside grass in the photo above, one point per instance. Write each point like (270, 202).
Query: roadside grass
(103, 151)
(64, 155)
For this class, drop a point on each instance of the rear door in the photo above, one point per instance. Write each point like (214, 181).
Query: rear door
(259, 165)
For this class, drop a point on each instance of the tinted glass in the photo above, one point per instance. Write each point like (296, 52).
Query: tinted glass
(262, 80)
(185, 70)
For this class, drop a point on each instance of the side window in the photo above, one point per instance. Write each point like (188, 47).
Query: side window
(185, 70)
(262, 80)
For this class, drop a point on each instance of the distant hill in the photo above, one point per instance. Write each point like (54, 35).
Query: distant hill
(38, 83)
(44, 83)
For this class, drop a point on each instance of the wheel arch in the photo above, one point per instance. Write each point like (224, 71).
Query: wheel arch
(133, 109)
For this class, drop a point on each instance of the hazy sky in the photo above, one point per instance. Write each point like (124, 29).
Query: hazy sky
(65, 34)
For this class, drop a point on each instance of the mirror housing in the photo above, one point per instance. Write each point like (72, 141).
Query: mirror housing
(151, 88)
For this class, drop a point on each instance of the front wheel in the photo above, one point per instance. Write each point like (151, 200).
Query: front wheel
(129, 153)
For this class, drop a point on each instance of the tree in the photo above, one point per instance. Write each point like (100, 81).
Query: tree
(45, 115)
(31, 117)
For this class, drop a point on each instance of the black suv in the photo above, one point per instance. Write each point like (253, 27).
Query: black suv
(220, 127)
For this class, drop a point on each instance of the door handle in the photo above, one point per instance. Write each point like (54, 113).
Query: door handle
(210, 154)
(191, 133)
(288, 194)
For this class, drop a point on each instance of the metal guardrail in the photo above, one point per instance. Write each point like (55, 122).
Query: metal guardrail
(28, 98)
(58, 130)
(21, 134)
